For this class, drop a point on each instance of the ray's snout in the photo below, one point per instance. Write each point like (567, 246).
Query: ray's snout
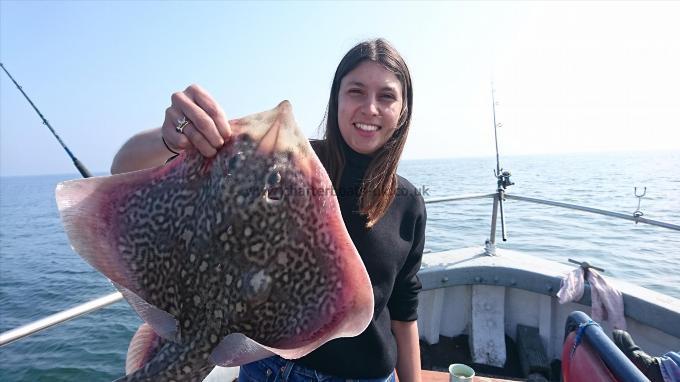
(280, 134)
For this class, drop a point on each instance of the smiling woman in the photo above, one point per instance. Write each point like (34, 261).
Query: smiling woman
(371, 87)
(368, 118)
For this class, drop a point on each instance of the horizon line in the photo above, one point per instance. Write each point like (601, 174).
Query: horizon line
(461, 157)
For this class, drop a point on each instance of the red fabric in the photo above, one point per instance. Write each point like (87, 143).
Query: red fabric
(585, 365)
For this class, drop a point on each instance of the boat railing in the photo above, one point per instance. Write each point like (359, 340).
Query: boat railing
(55, 319)
(23, 331)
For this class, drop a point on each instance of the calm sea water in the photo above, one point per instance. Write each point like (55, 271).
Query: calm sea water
(40, 274)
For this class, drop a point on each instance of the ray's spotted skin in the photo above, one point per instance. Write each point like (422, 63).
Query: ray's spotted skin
(227, 259)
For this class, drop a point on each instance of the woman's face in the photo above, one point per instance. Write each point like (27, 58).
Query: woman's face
(369, 106)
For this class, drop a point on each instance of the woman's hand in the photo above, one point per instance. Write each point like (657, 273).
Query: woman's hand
(207, 131)
(208, 127)
(408, 350)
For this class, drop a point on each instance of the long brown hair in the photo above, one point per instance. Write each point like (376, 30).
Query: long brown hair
(380, 181)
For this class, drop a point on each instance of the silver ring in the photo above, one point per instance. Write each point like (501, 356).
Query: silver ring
(181, 124)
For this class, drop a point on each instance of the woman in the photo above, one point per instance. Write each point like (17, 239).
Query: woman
(368, 118)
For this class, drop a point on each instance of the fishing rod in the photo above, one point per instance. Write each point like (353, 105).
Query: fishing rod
(81, 167)
(502, 176)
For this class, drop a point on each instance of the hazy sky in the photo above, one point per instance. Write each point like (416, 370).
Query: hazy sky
(570, 77)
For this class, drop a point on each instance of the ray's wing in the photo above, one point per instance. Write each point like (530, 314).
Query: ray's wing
(100, 230)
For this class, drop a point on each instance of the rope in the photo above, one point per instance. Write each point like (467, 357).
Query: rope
(579, 334)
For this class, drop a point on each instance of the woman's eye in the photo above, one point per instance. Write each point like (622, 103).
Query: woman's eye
(389, 96)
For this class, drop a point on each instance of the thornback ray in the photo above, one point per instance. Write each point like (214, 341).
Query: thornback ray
(227, 259)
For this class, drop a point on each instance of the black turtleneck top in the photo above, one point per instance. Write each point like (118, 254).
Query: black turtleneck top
(391, 251)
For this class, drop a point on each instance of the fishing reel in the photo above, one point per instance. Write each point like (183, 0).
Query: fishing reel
(503, 177)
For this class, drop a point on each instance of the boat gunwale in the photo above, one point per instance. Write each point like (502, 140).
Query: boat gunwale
(512, 269)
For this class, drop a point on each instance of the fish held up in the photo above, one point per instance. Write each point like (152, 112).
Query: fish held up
(227, 259)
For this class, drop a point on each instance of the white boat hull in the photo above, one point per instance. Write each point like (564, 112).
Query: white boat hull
(454, 281)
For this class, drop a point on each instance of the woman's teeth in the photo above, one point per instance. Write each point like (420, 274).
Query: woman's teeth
(365, 127)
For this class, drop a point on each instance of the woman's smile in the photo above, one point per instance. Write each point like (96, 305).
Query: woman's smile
(365, 129)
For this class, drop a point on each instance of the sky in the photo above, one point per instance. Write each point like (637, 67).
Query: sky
(568, 77)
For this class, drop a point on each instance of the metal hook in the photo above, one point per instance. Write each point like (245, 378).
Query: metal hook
(585, 265)
(638, 214)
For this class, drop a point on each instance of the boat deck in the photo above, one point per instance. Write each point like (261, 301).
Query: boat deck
(438, 376)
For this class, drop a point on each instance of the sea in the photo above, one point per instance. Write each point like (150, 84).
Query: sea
(41, 275)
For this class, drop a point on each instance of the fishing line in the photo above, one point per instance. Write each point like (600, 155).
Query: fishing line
(81, 167)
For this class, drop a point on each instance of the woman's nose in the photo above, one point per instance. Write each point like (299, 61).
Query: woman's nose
(371, 106)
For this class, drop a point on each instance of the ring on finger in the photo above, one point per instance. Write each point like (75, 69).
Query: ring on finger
(181, 124)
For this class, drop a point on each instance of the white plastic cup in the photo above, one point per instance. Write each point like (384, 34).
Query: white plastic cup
(459, 372)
